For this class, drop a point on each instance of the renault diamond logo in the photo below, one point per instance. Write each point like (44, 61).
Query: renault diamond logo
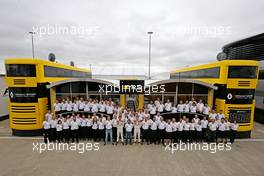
(229, 96)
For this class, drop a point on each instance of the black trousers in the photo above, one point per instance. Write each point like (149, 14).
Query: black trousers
(114, 131)
(205, 134)
(95, 134)
(192, 135)
(233, 136)
(145, 135)
(101, 134)
(212, 135)
(199, 136)
(153, 136)
(186, 136)
(83, 132)
(46, 135)
(66, 135)
(180, 135)
(59, 136)
(175, 136)
(161, 135)
(53, 137)
(88, 132)
(74, 135)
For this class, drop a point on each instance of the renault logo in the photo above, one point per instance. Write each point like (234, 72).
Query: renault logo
(229, 96)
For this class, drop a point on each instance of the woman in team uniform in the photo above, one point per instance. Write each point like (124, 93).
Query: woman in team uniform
(168, 133)
(66, 129)
(59, 131)
(46, 127)
(199, 134)
(89, 124)
(95, 128)
(192, 131)
(83, 127)
(153, 131)
(186, 131)
(221, 131)
(161, 130)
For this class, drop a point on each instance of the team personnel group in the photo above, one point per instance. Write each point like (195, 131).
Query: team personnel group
(106, 121)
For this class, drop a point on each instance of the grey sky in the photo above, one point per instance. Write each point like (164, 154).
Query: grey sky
(116, 31)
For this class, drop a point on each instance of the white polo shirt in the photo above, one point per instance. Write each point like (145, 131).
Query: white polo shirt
(108, 124)
(168, 106)
(193, 109)
(128, 127)
(57, 107)
(212, 126)
(204, 123)
(186, 108)
(145, 125)
(59, 127)
(168, 128)
(160, 108)
(180, 107)
(162, 125)
(74, 125)
(46, 125)
(65, 125)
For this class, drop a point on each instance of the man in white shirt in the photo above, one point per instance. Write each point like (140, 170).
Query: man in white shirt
(180, 129)
(120, 125)
(75, 106)
(206, 109)
(108, 130)
(129, 127)
(157, 102)
(186, 107)
(86, 107)
(74, 130)
(160, 107)
(180, 107)
(94, 106)
(53, 124)
(193, 108)
(153, 110)
(212, 115)
(137, 126)
(204, 124)
(221, 136)
(168, 106)
(161, 130)
(66, 129)
(48, 116)
(234, 127)
(81, 105)
(153, 130)
(102, 107)
(110, 110)
(221, 115)
(63, 106)
(69, 106)
(57, 107)
(200, 106)
(212, 129)
(145, 130)
(46, 127)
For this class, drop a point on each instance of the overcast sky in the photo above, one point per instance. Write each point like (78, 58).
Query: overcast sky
(114, 33)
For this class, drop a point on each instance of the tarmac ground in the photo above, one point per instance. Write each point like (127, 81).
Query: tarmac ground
(20, 157)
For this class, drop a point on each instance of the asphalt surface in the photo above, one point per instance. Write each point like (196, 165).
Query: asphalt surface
(20, 158)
